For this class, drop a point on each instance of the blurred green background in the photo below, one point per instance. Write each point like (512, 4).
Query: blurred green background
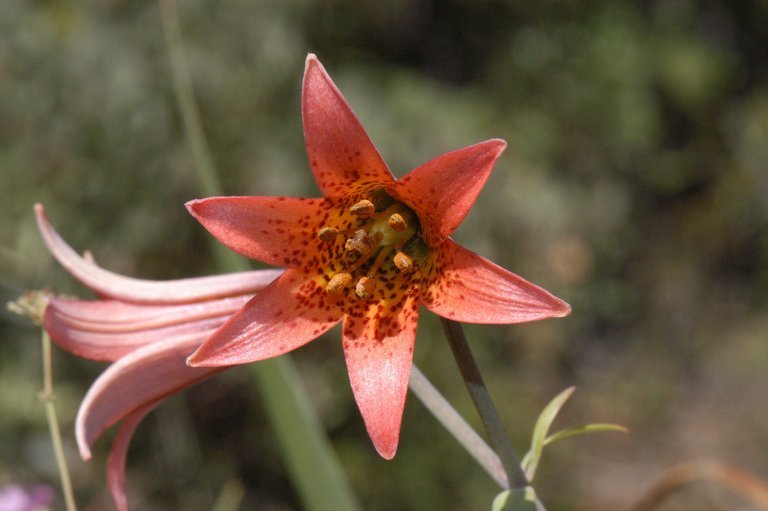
(635, 186)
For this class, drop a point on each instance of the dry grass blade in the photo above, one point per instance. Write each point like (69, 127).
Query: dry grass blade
(739, 481)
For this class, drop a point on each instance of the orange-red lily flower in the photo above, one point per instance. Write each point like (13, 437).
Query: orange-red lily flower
(368, 253)
(147, 329)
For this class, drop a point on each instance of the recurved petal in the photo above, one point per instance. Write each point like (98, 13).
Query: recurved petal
(118, 453)
(276, 230)
(379, 351)
(129, 289)
(340, 152)
(472, 289)
(135, 381)
(113, 316)
(289, 313)
(110, 346)
(443, 190)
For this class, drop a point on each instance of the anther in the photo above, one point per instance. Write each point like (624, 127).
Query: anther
(364, 287)
(397, 222)
(338, 283)
(359, 242)
(327, 234)
(403, 262)
(363, 209)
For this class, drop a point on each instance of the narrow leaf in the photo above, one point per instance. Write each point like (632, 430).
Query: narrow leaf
(582, 430)
(540, 431)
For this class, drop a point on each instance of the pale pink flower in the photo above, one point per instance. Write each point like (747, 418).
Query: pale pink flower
(147, 329)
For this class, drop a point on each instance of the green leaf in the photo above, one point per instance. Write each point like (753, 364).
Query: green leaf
(311, 462)
(582, 430)
(519, 499)
(531, 460)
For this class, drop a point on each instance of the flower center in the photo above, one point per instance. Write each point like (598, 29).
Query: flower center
(380, 247)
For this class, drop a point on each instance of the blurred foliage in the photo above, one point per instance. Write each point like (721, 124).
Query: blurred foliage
(634, 187)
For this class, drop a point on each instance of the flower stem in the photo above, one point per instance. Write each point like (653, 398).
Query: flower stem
(46, 396)
(442, 410)
(483, 402)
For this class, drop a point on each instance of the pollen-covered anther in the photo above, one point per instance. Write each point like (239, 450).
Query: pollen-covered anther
(403, 262)
(397, 222)
(360, 242)
(338, 283)
(363, 209)
(327, 234)
(364, 287)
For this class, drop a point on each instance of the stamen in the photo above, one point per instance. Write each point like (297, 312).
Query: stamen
(363, 209)
(397, 222)
(364, 287)
(338, 283)
(327, 234)
(403, 262)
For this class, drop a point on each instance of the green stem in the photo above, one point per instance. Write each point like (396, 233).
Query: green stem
(312, 464)
(315, 469)
(455, 424)
(204, 168)
(483, 402)
(46, 396)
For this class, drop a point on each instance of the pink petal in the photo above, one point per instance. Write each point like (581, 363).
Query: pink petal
(472, 289)
(340, 153)
(289, 313)
(443, 190)
(112, 316)
(276, 230)
(118, 453)
(138, 379)
(111, 346)
(117, 286)
(379, 352)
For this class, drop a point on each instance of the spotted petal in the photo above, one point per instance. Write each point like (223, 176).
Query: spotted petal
(289, 313)
(472, 289)
(281, 231)
(140, 378)
(340, 152)
(379, 351)
(443, 190)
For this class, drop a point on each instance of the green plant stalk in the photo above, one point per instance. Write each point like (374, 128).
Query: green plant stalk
(47, 397)
(442, 410)
(313, 466)
(483, 402)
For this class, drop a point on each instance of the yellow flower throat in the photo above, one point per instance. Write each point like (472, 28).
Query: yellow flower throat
(381, 245)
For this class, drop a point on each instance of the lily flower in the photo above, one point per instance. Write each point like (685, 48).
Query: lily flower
(368, 253)
(147, 329)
